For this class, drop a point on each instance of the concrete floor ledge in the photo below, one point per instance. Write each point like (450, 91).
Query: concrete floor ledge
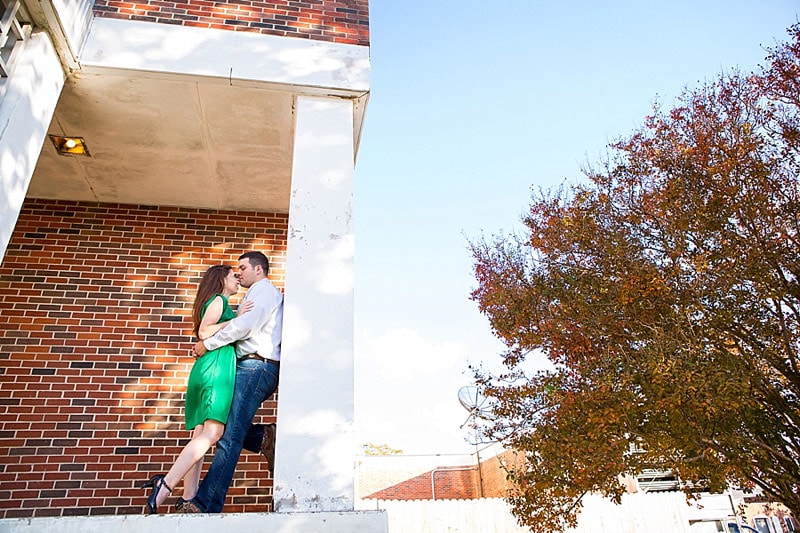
(328, 522)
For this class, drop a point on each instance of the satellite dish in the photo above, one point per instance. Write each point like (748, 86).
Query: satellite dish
(478, 405)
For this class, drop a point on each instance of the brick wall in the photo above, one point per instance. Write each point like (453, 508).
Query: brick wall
(340, 21)
(446, 483)
(493, 474)
(396, 478)
(95, 332)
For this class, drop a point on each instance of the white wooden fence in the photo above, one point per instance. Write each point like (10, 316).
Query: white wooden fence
(638, 513)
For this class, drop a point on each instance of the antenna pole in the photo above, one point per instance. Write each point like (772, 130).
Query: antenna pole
(480, 470)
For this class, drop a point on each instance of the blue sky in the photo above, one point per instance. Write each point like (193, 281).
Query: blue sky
(472, 105)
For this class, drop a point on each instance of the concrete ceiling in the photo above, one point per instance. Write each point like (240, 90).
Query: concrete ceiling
(186, 142)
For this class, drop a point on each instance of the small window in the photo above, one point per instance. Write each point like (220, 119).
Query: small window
(706, 526)
(15, 27)
(788, 521)
(761, 523)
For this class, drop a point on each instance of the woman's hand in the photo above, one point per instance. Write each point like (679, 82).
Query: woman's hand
(244, 307)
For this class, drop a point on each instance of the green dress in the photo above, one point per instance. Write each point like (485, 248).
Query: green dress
(210, 387)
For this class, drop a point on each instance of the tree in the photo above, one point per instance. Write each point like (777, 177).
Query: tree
(665, 291)
(379, 449)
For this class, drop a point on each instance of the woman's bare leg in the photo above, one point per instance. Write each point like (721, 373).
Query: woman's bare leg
(192, 454)
(192, 478)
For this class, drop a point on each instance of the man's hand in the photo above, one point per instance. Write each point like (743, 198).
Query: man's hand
(199, 349)
(244, 307)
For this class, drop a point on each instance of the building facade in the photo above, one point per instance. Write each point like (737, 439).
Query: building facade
(437, 477)
(142, 142)
(465, 493)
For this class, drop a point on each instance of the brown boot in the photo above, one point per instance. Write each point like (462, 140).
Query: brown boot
(186, 506)
(268, 446)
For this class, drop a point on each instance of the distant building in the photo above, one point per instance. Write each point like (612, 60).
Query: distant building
(384, 482)
(434, 477)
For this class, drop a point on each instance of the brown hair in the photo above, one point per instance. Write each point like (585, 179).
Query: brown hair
(256, 258)
(212, 282)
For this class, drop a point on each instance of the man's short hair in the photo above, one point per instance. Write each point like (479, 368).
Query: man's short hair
(256, 258)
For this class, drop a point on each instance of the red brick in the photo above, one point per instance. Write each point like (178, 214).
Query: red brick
(316, 19)
(80, 334)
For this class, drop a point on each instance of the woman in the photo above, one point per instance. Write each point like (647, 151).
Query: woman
(210, 387)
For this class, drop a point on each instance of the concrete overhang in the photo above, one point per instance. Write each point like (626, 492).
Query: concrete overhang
(190, 117)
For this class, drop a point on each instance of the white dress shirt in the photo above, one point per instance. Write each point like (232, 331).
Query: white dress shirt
(259, 329)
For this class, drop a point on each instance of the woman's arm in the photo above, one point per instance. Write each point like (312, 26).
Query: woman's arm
(211, 329)
(208, 324)
(207, 330)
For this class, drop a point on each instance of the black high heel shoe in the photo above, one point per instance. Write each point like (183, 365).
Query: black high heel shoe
(156, 483)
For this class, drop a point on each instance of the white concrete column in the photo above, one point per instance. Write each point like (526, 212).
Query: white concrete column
(28, 98)
(315, 451)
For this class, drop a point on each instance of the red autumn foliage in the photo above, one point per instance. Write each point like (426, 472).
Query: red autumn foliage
(666, 291)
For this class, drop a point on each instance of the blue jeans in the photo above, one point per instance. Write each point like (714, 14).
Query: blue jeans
(255, 382)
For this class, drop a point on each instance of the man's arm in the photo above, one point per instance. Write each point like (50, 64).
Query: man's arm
(238, 328)
(243, 325)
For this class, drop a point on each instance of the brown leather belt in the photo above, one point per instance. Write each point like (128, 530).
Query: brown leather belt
(259, 358)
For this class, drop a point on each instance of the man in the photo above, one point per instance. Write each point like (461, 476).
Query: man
(257, 338)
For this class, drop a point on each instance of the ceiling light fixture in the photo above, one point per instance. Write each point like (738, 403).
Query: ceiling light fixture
(70, 145)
